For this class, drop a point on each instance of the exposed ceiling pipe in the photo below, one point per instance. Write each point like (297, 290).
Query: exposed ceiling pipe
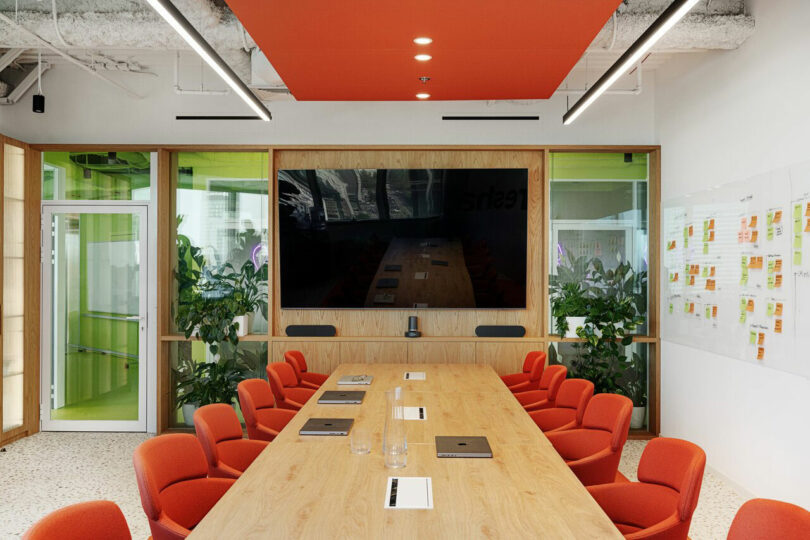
(619, 92)
(9, 56)
(67, 57)
(24, 85)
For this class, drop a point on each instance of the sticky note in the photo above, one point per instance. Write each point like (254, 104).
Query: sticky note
(742, 317)
(797, 258)
(770, 309)
(761, 338)
(797, 225)
(807, 212)
(705, 235)
(770, 218)
(777, 216)
(711, 272)
(771, 266)
(778, 309)
(797, 241)
(708, 312)
(710, 285)
(753, 222)
(807, 227)
(705, 224)
(744, 260)
(777, 326)
(743, 304)
(740, 237)
(797, 211)
(711, 236)
(705, 272)
(711, 223)
(777, 281)
(714, 312)
(752, 337)
(691, 230)
(777, 265)
(691, 280)
(691, 307)
(770, 233)
(750, 305)
(760, 353)
(686, 307)
(671, 308)
(754, 236)
(771, 282)
(706, 247)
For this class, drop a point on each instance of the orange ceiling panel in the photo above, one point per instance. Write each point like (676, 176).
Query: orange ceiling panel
(363, 50)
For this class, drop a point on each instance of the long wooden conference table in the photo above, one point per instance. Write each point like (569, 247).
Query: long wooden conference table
(314, 487)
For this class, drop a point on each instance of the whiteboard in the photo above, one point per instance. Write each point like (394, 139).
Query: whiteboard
(112, 274)
(736, 270)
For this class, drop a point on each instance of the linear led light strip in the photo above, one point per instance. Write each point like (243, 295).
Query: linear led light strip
(650, 37)
(168, 11)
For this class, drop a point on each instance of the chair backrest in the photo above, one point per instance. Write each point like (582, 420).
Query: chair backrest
(552, 378)
(280, 375)
(254, 395)
(609, 412)
(528, 362)
(293, 359)
(676, 464)
(298, 356)
(216, 423)
(574, 394)
(766, 518)
(165, 460)
(538, 365)
(93, 519)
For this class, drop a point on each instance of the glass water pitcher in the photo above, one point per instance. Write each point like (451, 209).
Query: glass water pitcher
(395, 444)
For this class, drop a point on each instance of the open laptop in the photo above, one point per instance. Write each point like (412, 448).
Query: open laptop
(327, 426)
(341, 397)
(462, 447)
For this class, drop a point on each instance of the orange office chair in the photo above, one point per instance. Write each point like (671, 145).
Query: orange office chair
(220, 434)
(544, 397)
(569, 407)
(536, 372)
(176, 492)
(305, 378)
(262, 420)
(594, 450)
(93, 519)
(660, 505)
(528, 364)
(283, 384)
(761, 519)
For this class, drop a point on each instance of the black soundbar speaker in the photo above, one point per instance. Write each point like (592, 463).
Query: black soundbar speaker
(500, 331)
(311, 330)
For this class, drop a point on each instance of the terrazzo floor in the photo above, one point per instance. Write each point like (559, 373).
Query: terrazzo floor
(46, 471)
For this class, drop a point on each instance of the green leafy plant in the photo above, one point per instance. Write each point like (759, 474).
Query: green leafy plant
(635, 382)
(569, 291)
(205, 383)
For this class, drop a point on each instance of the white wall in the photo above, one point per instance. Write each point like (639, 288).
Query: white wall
(722, 117)
(83, 109)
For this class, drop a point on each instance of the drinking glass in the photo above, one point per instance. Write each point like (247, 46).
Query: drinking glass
(360, 440)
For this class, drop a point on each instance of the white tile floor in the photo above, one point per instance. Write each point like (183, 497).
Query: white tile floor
(50, 470)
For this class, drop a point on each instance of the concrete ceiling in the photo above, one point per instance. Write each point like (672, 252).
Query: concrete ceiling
(110, 33)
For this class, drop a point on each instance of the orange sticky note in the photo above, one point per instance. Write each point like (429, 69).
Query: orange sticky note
(711, 224)
(778, 281)
(777, 266)
(711, 236)
(760, 353)
(714, 312)
(807, 227)
(778, 310)
(807, 212)
(692, 307)
(761, 338)
(777, 216)
(691, 280)
(760, 262)
(676, 277)
(711, 272)
(710, 285)
(691, 230)
(777, 326)
(754, 236)
(750, 306)
(753, 222)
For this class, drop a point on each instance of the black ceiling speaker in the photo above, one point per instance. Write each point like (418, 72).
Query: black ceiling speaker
(39, 103)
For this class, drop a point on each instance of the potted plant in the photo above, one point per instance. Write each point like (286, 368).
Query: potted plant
(635, 387)
(204, 383)
(569, 291)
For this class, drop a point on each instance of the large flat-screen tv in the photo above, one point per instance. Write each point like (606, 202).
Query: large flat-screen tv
(403, 238)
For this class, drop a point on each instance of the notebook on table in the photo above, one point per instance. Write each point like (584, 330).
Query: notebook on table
(462, 447)
(327, 426)
(341, 397)
(356, 379)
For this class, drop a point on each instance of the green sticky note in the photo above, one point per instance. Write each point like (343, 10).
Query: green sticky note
(770, 218)
(797, 241)
(708, 312)
(797, 258)
(797, 211)
(797, 226)
(770, 309)
(771, 282)
(705, 248)
(752, 338)
(671, 308)
(743, 304)
(744, 277)
(745, 261)
(771, 265)
(770, 232)
(686, 269)
(686, 307)
(705, 272)
(742, 317)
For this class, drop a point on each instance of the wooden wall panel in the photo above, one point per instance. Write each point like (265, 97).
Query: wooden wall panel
(392, 322)
(33, 194)
(442, 352)
(505, 357)
(372, 352)
(322, 356)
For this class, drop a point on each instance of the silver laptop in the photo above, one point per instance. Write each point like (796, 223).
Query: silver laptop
(356, 379)
(327, 426)
(341, 397)
(463, 447)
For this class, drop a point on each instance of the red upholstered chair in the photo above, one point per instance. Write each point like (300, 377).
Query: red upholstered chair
(220, 434)
(262, 420)
(533, 382)
(528, 364)
(594, 450)
(569, 407)
(660, 505)
(761, 519)
(305, 378)
(176, 492)
(544, 398)
(284, 386)
(94, 519)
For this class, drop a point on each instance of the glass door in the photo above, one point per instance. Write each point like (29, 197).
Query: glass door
(94, 317)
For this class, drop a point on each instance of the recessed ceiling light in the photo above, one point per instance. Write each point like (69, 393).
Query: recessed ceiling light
(423, 41)
(423, 57)
(422, 95)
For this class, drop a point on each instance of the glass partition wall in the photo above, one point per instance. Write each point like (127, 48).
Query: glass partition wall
(599, 242)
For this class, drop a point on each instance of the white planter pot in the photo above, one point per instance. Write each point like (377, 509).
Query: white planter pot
(245, 322)
(573, 324)
(188, 413)
(638, 417)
